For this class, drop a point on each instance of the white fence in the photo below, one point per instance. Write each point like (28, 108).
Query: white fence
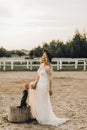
(59, 63)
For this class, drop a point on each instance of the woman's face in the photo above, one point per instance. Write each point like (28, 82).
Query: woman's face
(44, 58)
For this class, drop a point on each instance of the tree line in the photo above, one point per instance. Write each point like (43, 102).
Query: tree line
(6, 53)
(74, 48)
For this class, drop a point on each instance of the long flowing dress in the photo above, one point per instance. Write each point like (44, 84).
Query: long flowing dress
(40, 103)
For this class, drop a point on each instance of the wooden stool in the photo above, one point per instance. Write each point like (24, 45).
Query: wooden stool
(19, 114)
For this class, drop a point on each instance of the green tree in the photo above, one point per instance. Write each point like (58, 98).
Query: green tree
(19, 53)
(77, 47)
(36, 52)
(60, 51)
(2, 52)
(31, 53)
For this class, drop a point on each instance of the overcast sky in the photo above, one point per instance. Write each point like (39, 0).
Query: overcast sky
(24, 24)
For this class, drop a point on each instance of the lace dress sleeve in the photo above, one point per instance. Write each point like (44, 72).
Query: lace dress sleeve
(49, 71)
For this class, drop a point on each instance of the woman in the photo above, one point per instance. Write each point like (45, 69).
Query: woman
(39, 98)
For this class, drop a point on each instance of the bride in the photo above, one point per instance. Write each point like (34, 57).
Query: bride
(39, 96)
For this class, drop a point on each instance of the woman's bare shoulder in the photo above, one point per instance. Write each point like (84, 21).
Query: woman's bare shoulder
(49, 66)
(41, 64)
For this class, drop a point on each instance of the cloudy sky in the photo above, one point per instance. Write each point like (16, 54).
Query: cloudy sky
(25, 24)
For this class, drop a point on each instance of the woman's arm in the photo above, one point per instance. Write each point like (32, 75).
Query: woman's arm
(37, 79)
(35, 83)
(49, 72)
(50, 87)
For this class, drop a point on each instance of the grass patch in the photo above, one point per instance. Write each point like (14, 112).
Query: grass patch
(20, 68)
(35, 68)
(69, 68)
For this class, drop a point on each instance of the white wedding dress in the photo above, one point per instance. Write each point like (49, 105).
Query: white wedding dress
(39, 100)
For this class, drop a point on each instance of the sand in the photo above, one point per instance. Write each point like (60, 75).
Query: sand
(69, 99)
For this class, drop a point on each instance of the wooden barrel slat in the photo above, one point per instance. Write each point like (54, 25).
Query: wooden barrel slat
(19, 114)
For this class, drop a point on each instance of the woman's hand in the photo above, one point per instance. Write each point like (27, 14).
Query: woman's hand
(50, 92)
(34, 84)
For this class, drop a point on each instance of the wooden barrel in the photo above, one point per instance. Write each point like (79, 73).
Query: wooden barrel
(19, 114)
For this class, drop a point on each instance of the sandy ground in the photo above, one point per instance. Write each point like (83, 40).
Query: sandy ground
(69, 99)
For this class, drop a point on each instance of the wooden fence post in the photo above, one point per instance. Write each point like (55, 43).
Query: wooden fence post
(27, 65)
(84, 65)
(30, 65)
(11, 65)
(60, 64)
(4, 65)
(76, 62)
